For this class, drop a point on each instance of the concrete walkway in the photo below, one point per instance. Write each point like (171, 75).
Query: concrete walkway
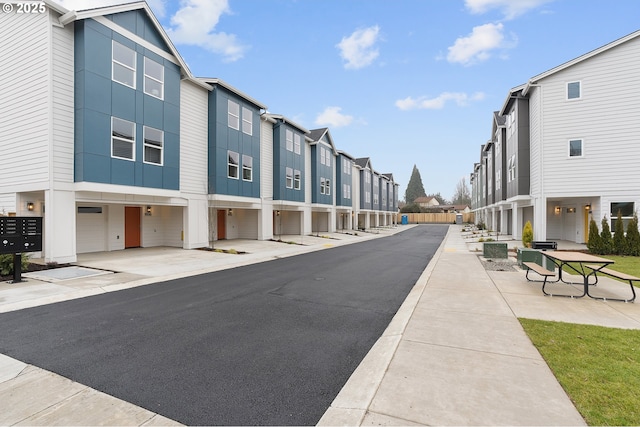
(454, 354)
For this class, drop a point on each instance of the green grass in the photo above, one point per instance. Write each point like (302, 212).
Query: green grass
(623, 264)
(598, 367)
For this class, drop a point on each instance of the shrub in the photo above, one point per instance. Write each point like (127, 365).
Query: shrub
(594, 244)
(6, 264)
(633, 237)
(619, 242)
(607, 240)
(527, 234)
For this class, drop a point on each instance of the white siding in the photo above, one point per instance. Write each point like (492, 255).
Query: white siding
(606, 118)
(535, 126)
(63, 103)
(193, 138)
(163, 227)
(243, 224)
(266, 160)
(24, 100)
(7, 203)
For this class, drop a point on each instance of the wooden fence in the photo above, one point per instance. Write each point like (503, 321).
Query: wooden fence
(438, 218)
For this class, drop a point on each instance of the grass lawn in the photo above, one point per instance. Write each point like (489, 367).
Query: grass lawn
(624, 264)
(598, 367)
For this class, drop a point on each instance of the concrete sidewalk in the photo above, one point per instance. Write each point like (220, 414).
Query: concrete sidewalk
(454, 354)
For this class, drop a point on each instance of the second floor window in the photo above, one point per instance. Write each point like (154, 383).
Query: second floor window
(247, 121)
(233, 115)
(289, 140)
(575, 148)
(247, 168)
(153, 145)
(511, 169)
(296, 179)
(296, 143)
(233, 164)
(289, 178)
(123, 139)
(574, 90)
(153, 78)
(123, 65)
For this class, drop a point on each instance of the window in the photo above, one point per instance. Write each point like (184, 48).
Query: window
(321, 185)
(123, 139)
(247, 168)
(327, 187)
(296, 180)
(573, 90)
(153, 145)
(346, 191)
(575, 148)
(512, 169)
(233, 163)
(89, 209)
(626, 210)
(367, 197)
(123, 65)
(322, 155)
(234, 115)
(153, 78)
(289, 140)
(289, 177)
(498, 179)
(296, 144)
(247, 121)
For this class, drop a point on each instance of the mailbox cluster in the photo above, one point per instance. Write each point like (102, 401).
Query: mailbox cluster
(19, 234)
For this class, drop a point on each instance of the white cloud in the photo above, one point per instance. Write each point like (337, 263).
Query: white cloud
(478, 45)
(358, 50)
(194, 22)
(510, 8)
(424, 103)
(332, 117)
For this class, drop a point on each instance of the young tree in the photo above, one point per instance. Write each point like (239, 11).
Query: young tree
(415, 188)
(619, 242)
(594, 244)
(527, 235)
(605, 237)
(633, 237)
(462, 195)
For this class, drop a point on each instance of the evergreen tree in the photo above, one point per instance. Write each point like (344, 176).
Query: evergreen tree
(415, 188)
(605, 237)
(619, 242)
(527, 234)
(633, 237)
(594, 244)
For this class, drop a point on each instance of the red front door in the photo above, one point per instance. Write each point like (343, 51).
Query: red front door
(131, 227)
(222, 225)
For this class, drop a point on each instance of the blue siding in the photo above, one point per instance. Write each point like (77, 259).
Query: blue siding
(341, 179)
(222, 139)
(98, 98)
(366, 188)
(319, 171)
(282, 158)
(137, 22)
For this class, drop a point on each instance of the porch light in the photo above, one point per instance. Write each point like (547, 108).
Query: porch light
(277, 213)
(148, 212)
(587, 207)
(30, 206)
(558, 210)
(230, 213)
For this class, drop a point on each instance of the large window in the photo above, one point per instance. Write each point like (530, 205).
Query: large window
(233, 164)
(575, 148)
(123, 139)
(296, 143)
(296, 179)
(247, 168)
(626, 210)
(511, 169)
(289, 140)
(327, 187)
(153, 145)
(123, 65)
(233, 115)
(289, 178)
(247, 121)
(574, 91)
(153, 78)
(321, 185)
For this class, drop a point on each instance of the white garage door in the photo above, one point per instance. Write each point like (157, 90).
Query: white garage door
(91, 225)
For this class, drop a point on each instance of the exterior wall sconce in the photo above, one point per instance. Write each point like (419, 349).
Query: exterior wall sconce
(148, 211)
(30, 206)
(277, 213)
(230, 213)
(571, 210)
(558, 210)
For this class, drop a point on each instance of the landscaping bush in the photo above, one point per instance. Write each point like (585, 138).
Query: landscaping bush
(633, 237)
(6, 264)
(594, 244)
(605, 236)
(619, 242)
(527, 235)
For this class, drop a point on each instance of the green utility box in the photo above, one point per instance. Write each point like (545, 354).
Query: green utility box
(494, 250)
(533, 255)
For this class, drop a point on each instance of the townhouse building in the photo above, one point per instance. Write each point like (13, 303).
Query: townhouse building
(565, 148)
(106, 134)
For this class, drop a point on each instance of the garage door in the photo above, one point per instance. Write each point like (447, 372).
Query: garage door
(91, 225)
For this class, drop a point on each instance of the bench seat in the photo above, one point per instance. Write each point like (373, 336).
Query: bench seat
(618, 275)
(542, 272)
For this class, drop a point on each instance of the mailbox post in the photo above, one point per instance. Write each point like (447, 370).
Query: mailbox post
(20, 234)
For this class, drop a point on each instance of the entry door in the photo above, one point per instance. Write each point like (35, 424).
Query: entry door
(222, 225)
(131, 227)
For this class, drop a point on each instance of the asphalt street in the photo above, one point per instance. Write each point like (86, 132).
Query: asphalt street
(265, 344)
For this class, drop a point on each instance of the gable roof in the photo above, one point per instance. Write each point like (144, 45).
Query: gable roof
(533, 80)
(283, 119)
(219, 82)
(363, 162)
(317, 134)
(73, 15)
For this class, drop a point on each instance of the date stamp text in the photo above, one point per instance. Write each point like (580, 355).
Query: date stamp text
(25, 7)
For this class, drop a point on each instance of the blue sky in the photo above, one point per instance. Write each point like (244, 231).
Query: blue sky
(403, 82)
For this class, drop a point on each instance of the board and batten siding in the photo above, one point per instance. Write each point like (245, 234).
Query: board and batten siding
(24, 101)
(193, 138)
(606, 119)
(62, 87)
